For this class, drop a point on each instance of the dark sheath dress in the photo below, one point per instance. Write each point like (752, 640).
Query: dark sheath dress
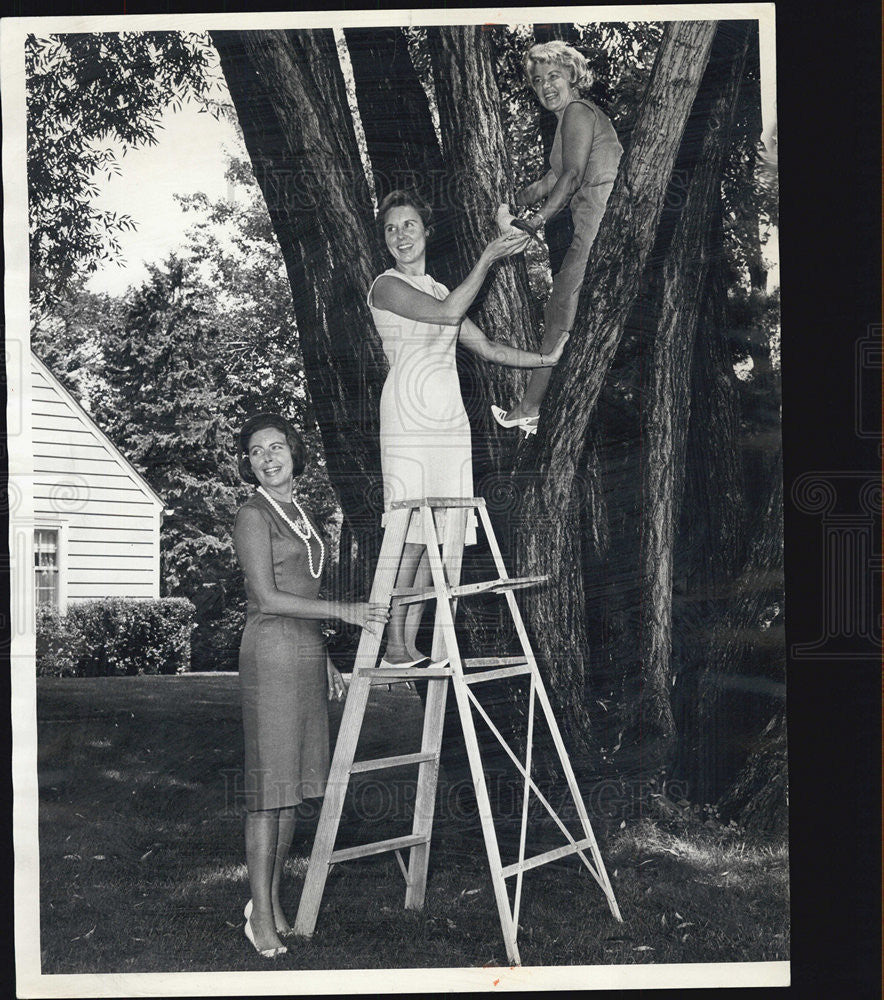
(283, 681)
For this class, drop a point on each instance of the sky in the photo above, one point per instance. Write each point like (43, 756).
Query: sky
(189, 157)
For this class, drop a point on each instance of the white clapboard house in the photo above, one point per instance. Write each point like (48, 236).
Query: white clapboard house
(96, 520)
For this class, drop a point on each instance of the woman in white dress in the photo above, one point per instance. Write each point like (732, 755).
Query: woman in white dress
(425, 433)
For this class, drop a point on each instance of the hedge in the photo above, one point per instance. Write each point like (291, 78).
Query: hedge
(115, 637)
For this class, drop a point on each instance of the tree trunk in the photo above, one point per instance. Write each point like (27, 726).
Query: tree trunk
(759, 798)
(711, 534)
(289, 94)
(395, 113)
(548, 537)
(710, 543)
(685, 270)
(742, 685)
(402, 144)
(480, 178)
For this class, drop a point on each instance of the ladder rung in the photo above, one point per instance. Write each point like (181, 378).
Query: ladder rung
(439, 502)
(378, 847)
(542, 859)
(493, 675)
(516, 582)
(412, 595)
(393, 674)
(381, 762)
(494, 661)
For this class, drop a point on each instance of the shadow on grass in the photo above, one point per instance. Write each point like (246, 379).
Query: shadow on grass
(142, 866)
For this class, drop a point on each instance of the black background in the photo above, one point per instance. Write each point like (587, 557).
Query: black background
(829, 112)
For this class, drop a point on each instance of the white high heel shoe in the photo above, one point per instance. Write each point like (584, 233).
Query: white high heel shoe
(526, 424)
(263, 952)
(421, 661)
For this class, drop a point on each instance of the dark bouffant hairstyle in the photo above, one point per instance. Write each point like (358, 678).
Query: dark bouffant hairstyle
(260, 422)
(403, 199)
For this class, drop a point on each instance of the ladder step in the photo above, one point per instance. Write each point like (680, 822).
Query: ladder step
(413, 595)
(389, 675)
(439, 502)
(378, 847)
(493, 675)
(494, 661)
(542, 859)
(381, 762)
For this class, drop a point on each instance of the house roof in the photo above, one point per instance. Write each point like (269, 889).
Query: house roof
(97, 431)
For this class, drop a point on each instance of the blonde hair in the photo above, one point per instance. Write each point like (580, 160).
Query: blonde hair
(560, 54)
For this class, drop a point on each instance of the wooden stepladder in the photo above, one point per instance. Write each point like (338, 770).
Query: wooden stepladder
(445, 565)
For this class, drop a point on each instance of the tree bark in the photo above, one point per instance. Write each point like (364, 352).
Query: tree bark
(399, 134)
(480, 178)
(711, 535)
(742, 685)
(547, 539)
(402, 144)
(289, 94)
(685, 271)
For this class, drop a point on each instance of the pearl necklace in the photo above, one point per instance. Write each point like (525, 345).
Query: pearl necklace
(305, 534)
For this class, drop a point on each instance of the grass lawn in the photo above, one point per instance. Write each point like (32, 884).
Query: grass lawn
(142, 867)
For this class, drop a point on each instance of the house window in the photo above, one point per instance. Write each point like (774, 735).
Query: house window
(46, 566)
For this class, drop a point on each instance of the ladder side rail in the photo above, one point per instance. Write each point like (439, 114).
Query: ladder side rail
(332, 806)
(348, 734)
(492, 849)
(525, 794)
(434, 711)
(551, 720)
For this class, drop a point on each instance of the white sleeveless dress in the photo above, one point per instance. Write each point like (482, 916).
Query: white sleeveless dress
(426, 448)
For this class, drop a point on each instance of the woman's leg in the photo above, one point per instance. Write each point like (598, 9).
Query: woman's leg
(262, 834)
(422, 578)
(397, 648)
(561, 307)
(538, 383)
(284, 833)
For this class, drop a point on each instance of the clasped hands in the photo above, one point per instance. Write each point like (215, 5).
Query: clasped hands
(508, 223)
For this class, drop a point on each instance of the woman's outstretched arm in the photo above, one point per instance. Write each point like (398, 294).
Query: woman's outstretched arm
(502, 354)
(398, 296)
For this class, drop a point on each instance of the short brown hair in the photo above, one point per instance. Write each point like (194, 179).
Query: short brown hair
(399, 198)
(260, 422)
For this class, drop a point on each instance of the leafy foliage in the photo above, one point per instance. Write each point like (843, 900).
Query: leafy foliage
(68, 339)
(115, 637)
(170, 409)
(170, 372)
(90, 97)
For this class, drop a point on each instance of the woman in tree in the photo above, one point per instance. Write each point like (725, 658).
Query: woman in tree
(425, 433)
(583, 164)
(285, 672)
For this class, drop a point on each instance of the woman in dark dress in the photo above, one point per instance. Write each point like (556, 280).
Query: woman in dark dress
(285, 673)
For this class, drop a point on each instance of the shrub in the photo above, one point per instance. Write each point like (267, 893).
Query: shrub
(116, 636)
(216, 641)
(56, 650)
